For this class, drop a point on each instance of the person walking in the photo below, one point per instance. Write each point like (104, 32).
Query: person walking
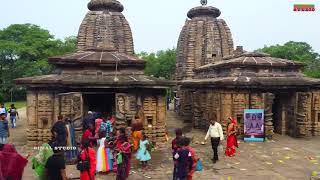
(88, 153)
(178, 132)
(183, 160)
(123, 149)
(175, 148)
(3, 109)
(56, 165)
(232, 142)
(143, 154)
(4, 128)
(13, 115)
(215, 132)
(194, 158)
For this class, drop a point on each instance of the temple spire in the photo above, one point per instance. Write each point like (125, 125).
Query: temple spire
(103, 5)
(204, 2)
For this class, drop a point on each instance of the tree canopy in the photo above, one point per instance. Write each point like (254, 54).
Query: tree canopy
(297, 51)
(160, 64)
(24, 51)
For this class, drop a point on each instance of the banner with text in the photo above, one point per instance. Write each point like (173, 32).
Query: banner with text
(254, 125)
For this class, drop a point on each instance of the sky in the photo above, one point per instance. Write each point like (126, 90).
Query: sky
(156, 24)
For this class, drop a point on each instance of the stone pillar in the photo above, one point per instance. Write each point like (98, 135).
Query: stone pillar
(303, 103)
(32, 132)
(161, 119)
(226, 109)
(268, 115)
(45, 111)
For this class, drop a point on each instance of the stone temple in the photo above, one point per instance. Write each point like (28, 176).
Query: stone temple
(102, 75)
(216, 81)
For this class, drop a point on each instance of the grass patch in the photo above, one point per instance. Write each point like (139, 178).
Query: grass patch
(18, 104)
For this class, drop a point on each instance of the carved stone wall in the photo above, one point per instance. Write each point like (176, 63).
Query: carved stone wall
(40, 111)
(297, 115)
(315, 114)
(105, 27)
(268, 114)
(185, 104)
(43, 107)
(303, 113)
(308, 109)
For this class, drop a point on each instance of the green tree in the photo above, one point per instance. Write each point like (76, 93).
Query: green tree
(297, 51)
(160, 64)
(24, 51)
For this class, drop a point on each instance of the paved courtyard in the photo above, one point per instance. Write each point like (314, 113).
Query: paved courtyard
(282, 158)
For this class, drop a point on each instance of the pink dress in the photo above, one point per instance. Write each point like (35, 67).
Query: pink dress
(98, 124)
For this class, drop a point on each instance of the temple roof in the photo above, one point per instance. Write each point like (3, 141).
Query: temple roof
(249, 59)
(90, 81)
(102, 5)
(208, 11)
(98, 58)
(251, 70)
(104, 57)
(252, 82)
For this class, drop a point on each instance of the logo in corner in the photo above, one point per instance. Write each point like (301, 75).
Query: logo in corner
(304, 7)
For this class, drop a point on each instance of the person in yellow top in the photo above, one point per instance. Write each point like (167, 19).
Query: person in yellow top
(215, 132)
(136, 132)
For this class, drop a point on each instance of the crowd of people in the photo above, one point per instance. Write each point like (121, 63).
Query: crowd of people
(4, 123)
(105, 149)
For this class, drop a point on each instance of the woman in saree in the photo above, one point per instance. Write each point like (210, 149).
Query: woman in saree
(40, 160)
(90, 153)
(232, 142)
(123, 149)
(12, 163)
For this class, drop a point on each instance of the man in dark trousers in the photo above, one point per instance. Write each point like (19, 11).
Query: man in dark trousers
(215, 132)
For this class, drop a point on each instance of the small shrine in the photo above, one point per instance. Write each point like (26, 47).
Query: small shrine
(103, 75)
(216, 81)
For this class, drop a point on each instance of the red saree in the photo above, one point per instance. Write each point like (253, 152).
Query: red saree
(93, 162)
(11, 163)
(232, 142)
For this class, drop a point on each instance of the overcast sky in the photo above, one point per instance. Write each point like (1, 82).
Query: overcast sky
(156, 24)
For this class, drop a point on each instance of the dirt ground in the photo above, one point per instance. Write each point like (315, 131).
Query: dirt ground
(283, 158)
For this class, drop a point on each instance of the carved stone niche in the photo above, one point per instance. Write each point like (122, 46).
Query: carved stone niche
(121, 110)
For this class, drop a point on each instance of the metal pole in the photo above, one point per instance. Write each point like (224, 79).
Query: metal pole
(11, 95)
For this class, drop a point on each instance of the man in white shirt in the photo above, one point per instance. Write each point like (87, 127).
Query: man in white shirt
(216, 134)
(3, 109)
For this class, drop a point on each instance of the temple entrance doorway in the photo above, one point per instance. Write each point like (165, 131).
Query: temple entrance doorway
(99, 102)
(283, 113)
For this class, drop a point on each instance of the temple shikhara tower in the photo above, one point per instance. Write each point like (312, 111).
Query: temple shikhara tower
(216, 81)
(103, 75)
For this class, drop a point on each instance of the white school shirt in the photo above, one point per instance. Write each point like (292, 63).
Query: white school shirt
(215, 131)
